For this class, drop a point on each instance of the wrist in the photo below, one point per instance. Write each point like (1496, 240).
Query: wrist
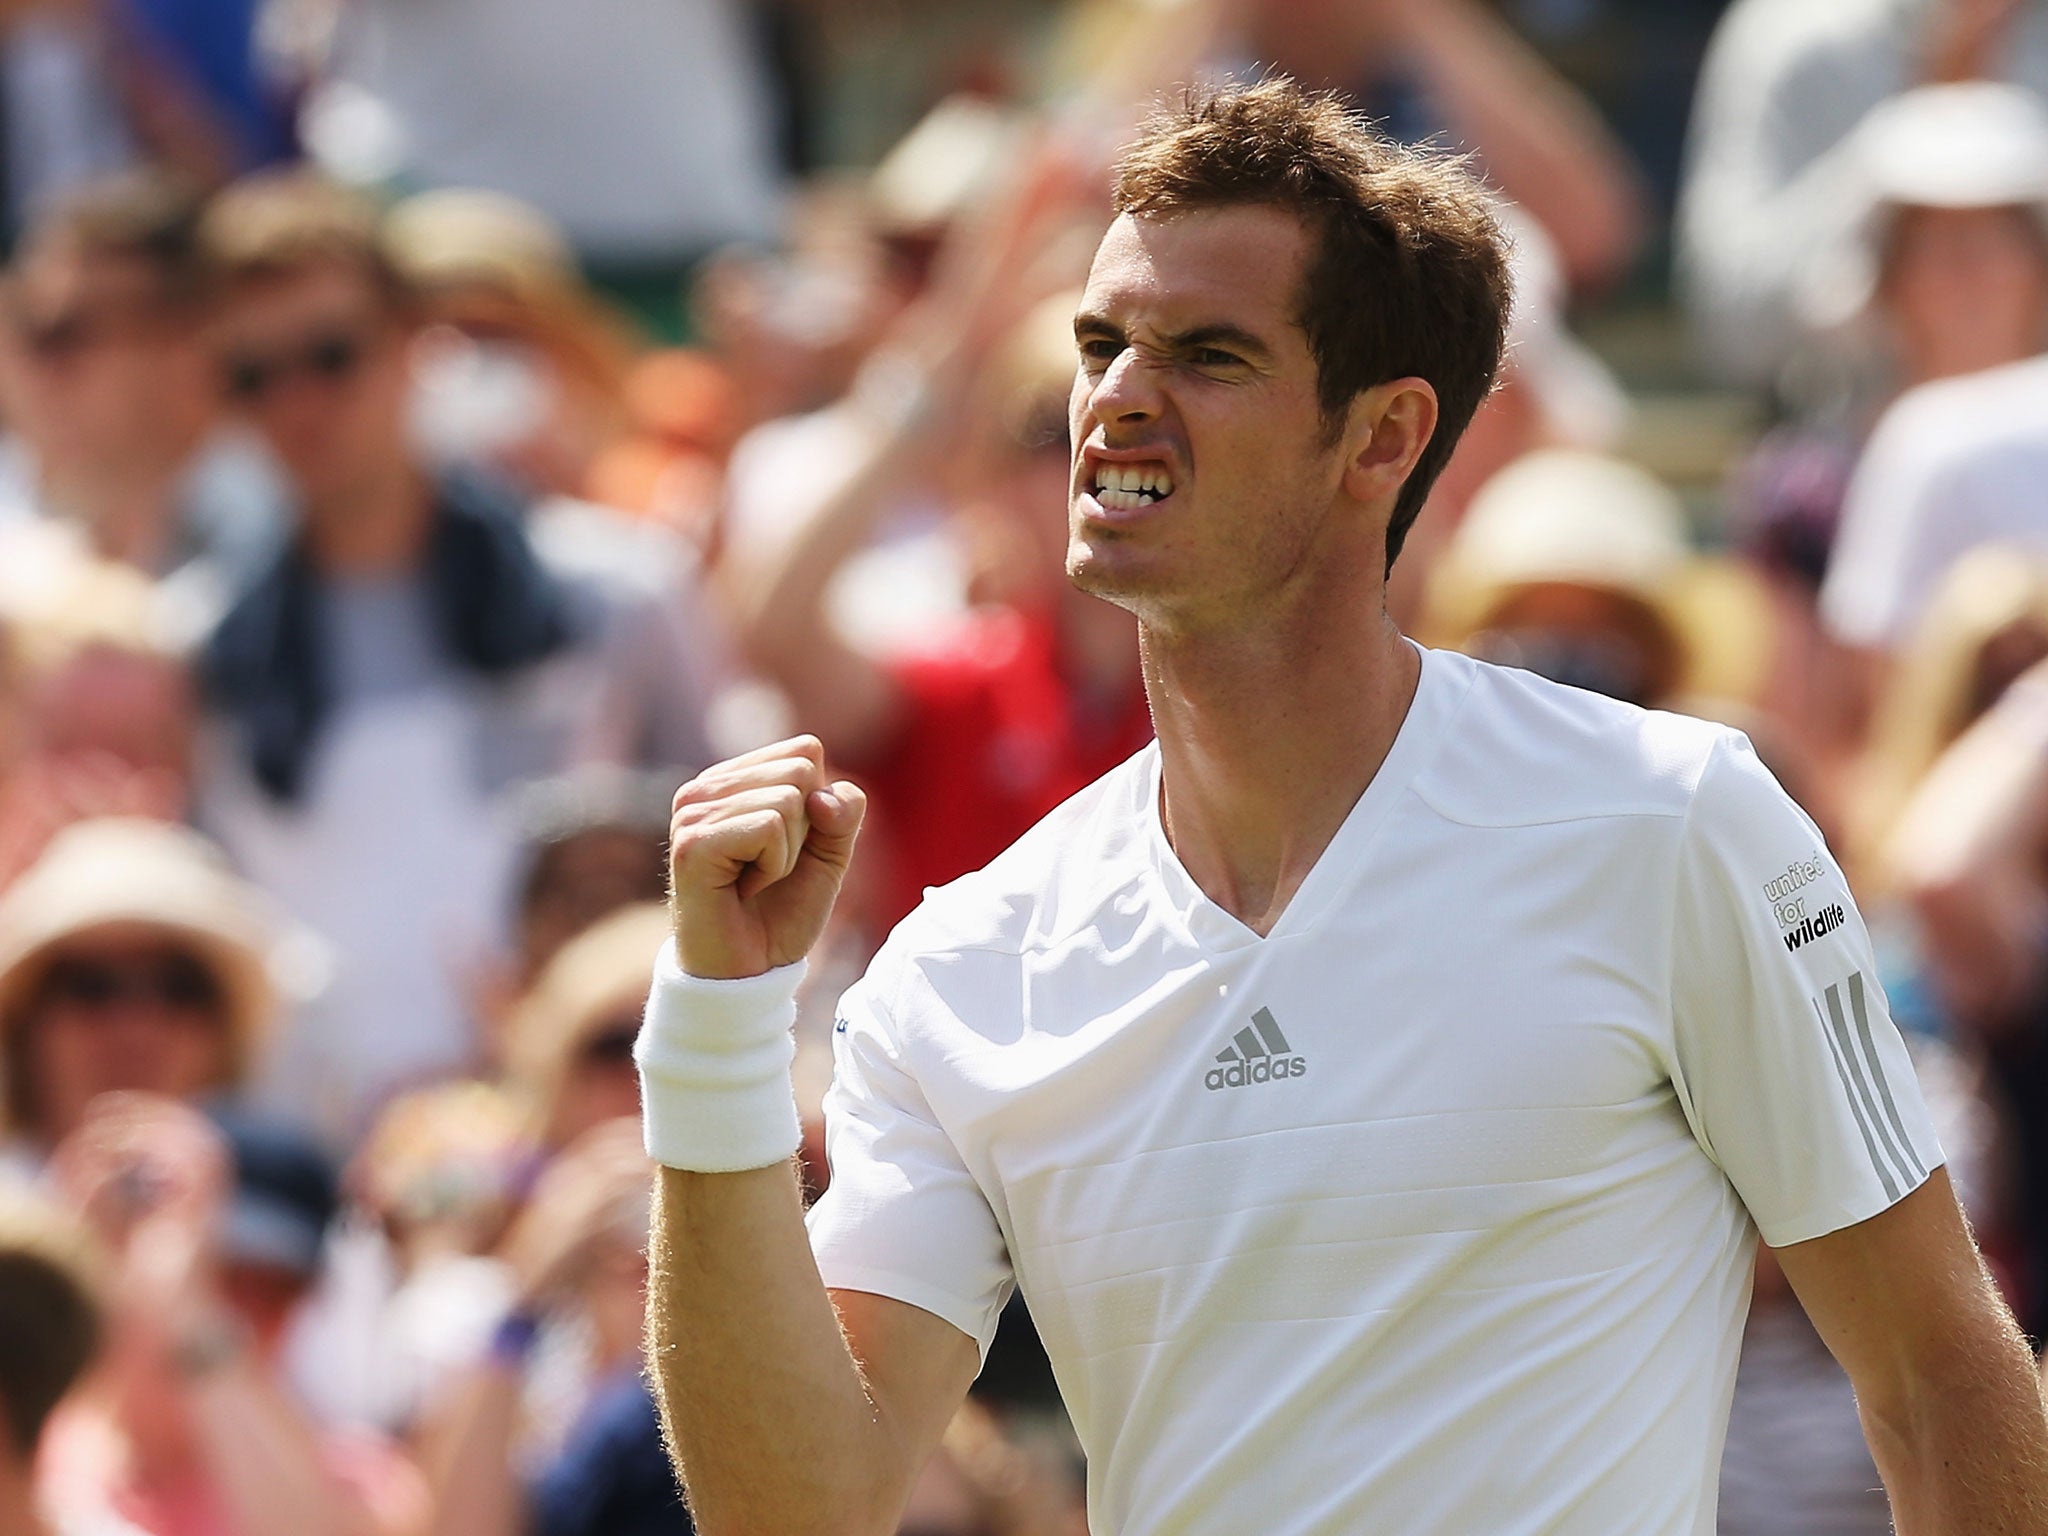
(512, 1341)
(714, 1058)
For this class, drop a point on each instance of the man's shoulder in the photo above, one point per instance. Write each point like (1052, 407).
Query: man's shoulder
(1049, 884)
(1525, 751)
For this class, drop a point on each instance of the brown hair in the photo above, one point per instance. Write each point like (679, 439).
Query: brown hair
(50, 1315)
(277, 224)
(141, 215)
(1408, 276)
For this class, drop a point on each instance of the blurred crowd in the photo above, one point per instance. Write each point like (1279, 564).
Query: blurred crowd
(431, 433)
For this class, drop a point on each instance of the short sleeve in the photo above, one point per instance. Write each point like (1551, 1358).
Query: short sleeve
(903, 1216)
(1791, 1071)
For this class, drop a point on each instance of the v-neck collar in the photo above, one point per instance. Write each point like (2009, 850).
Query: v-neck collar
(1438, 692)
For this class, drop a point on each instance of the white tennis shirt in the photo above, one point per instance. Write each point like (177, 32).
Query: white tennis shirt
(1433, 1210)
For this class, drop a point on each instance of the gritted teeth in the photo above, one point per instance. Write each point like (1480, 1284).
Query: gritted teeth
(1139, 483)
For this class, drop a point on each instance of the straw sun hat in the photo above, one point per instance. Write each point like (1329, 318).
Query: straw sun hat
(598, 975)
(119, 871)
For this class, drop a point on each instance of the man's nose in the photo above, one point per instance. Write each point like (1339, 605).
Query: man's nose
(1127, 391)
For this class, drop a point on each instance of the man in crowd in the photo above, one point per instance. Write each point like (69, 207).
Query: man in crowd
(108, 385)
(411, 652)
(1377, 1089)
(50, 1326)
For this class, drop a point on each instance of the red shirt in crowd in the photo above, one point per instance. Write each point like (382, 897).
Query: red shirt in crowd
(993, 735)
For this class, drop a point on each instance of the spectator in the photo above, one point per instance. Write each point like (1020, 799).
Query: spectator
(51, 1327)
(578, 1263)
(1985, 626)
(107, 383)
(103, 713)
(1552, 392)
(130, 959)
(412, 652)
(527, 370)
(1454, 68)
(1949, 251)
(1567, 564)
(1950, 465)
(594, 843)
(571, 1046)
(413, 1291)
(1771, 183)
(216, 1234)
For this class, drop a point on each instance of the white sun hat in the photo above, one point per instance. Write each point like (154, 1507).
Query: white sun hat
(1975, 144)
(129, 872)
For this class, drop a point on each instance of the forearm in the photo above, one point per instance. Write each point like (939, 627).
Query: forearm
(1966, 1453)
(265, 1458)
(1967, 852)
(468, 1455)
(763, 1405)
(777, 595)
(1541, 142)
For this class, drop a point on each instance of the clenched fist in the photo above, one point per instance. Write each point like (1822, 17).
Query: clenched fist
(757, 848)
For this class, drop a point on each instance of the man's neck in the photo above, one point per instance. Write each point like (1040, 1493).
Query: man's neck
(376, 526)
(1097, 648)
(1267, 738)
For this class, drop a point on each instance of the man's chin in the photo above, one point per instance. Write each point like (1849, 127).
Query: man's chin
(1105, 573)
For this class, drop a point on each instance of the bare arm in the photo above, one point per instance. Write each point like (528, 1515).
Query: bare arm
(785, 1415)
(903, 416)
(467, 1450)
(781, 1421)
(778, 596)
(1944, 1382)
(1542, 142)
(266, 1459)
(1968, 852)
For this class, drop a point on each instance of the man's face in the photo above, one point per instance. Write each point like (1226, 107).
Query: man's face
(1966, 288)
(1197, 391)
(123, 1007)
(105, 371)
(316, 360)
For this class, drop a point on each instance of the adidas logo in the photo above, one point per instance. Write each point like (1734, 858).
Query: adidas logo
(1258, 1053)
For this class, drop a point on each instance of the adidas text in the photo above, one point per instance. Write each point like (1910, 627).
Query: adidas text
(1266, 1069)
(1258, 1054)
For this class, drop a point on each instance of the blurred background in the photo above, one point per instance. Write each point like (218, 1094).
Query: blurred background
(431, 431)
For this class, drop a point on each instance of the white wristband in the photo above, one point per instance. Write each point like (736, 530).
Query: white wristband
(714, 1060)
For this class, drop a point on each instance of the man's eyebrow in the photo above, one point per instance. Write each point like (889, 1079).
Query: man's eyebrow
(1216, 334)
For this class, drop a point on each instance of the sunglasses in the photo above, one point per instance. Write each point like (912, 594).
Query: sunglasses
(332, 357)
(175, 981)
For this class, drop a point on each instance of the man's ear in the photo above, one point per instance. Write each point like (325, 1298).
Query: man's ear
(1391, 424)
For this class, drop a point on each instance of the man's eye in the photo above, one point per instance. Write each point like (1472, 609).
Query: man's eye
(1099, 349)
(1214, 357)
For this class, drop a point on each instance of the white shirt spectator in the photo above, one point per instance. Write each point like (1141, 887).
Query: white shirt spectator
(1951, 465)
(1783, 84)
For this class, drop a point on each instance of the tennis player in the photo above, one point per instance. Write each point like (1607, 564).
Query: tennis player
(1378, 1086)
